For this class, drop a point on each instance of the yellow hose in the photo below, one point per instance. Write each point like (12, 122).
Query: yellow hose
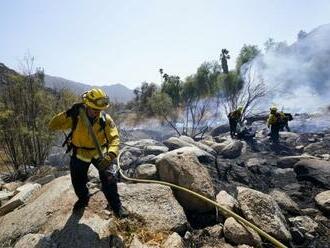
(223, 210)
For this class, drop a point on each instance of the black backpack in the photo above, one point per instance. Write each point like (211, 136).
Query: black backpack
(74, 116)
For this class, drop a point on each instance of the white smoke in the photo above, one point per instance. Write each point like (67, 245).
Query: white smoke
(298, 76)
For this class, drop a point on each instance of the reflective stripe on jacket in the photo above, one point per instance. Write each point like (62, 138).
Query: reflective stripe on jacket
(82, 139)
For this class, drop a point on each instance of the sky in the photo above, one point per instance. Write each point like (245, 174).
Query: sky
(103, 42)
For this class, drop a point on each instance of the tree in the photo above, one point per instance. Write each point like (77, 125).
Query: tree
(224, 56)
(25, 111)
(245, 92)
(247, 53)
(142, 95)
(172, 86)
(162, 106)
(231, 84)
(272, 46)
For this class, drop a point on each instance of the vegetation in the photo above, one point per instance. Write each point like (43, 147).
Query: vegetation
(25, 110)
(189, 106)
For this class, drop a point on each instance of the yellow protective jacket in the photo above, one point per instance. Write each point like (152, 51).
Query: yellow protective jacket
(82, 141)
(275, 119)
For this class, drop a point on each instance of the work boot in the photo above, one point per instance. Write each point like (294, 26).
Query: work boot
(81, 204)
(121, 212)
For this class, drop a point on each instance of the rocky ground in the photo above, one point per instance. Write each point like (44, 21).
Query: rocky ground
(283, 189)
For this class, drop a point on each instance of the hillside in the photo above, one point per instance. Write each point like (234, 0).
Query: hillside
(116, 92)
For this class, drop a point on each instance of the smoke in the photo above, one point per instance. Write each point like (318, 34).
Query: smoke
(297, 76)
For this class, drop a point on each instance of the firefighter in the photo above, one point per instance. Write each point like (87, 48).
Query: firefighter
(84, 151)
(234, 117)
(275, 123)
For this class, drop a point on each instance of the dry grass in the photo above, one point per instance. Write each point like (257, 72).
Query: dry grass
(4, 161)
(134, 227)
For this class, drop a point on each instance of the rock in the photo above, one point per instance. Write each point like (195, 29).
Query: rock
(133, 150)
(198, 144)
(155, 204)
(285, 202)
(11, 186)
(304, 224)
(282, 177)
(25, 192)
(317, 148)
(35, 240)
(218, 147)
(311, 212)
(227, 201)
(5, 195)
(232, 150)
(30, 218)
(176, 143)
(323, 200)
(45, 179)
(255, 162)
(174, 241)
(314, 170)
(237, 234)
(155, 150)
(136, 243)
(128, 160)
(289, 161)
(203, 156)
(220, 244)
(182, 168)
(141, 144)
(146, 171)
(215, 231)
(149, 159)
(262, 210)
(93, 173)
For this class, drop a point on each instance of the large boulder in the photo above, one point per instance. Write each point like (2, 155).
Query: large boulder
(315, 170)
(176, 143)
(289, 161)
(232, 150)
(142, 143)
(200, 145)
(317, 148)
(154, 150)
(323, 200)
(182, 168)
(262, 210)
(155, 205)
(32, 217)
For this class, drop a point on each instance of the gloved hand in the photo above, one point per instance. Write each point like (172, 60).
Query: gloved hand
(74, 110)
(106, 161)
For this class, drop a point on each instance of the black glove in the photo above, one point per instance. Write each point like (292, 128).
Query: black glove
(74, 110)
(106, 161)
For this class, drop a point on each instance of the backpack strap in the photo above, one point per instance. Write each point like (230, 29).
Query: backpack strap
(103, 123)
(68, 137)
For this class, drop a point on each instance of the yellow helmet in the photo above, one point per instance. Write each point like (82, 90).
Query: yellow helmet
(96, 99)
(273, 110)
(240, 109)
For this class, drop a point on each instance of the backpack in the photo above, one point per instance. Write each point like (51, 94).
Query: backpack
(68, 138)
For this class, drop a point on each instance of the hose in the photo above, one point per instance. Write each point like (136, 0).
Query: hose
(224, 211)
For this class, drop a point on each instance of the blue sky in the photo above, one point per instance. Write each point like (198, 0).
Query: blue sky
(107, 42)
